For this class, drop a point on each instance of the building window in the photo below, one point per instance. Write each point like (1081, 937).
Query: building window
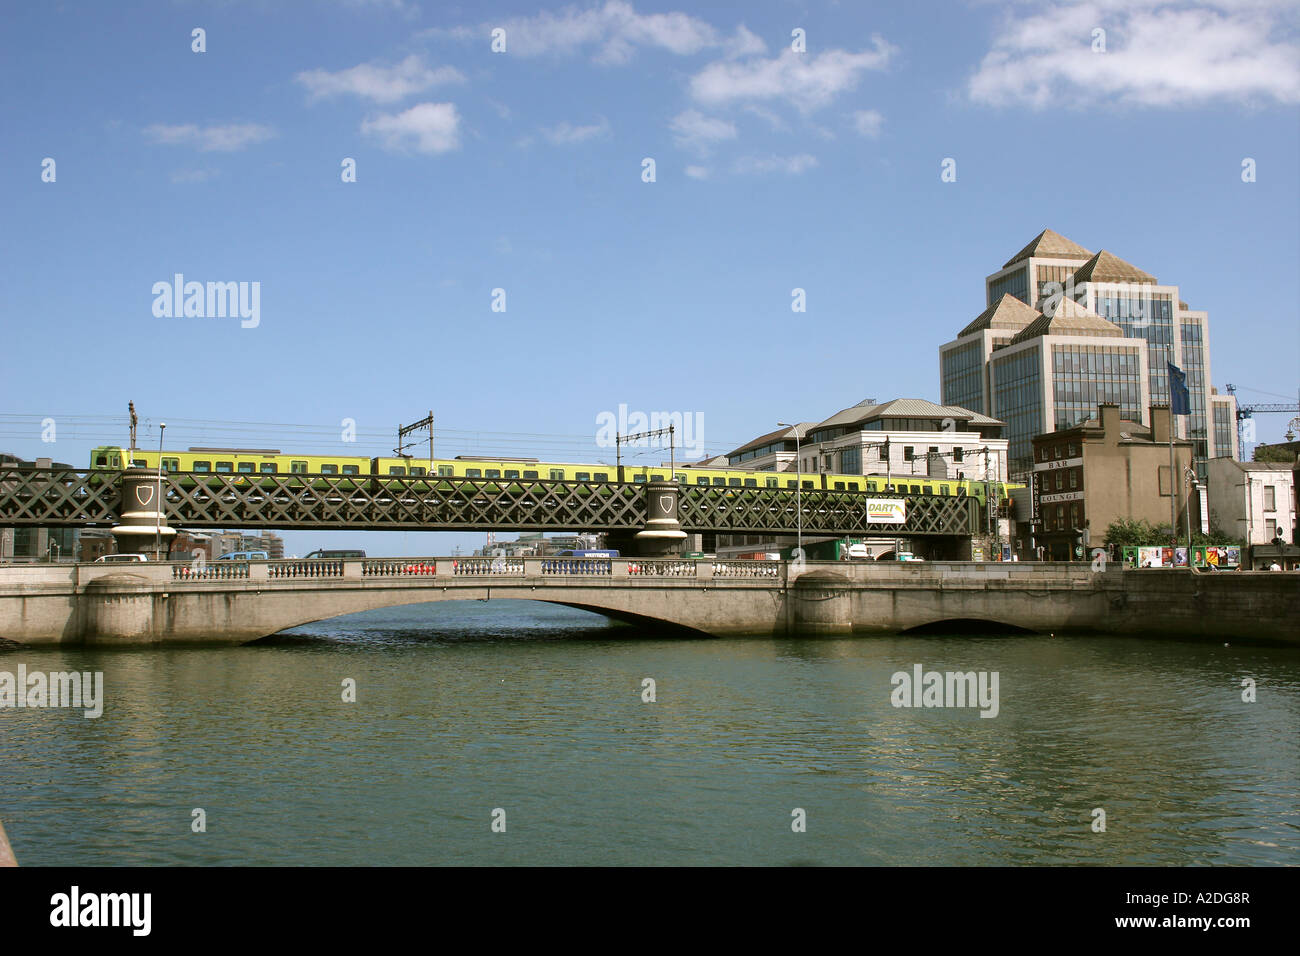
(1060, 481)
(956, 454)
(1074, 478)
(1270, 499)
(1270, 528)
(908, 453)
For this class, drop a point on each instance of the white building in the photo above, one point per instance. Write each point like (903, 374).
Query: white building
(1252, 500)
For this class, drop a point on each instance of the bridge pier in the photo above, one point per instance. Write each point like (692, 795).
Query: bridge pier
(143, 528)
(662, 535)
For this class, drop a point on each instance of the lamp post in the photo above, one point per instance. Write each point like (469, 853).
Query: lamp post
(157, 527)
(798, 486)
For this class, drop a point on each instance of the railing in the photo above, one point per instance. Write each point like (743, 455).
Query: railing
(477, 566)
(598, 566)
(305, 569)
(390, 567)
(223, 571)
(747, 569)
(660, 568)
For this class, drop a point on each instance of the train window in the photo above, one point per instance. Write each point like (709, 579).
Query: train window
(600, 476)
(855, 486)
(224, 466)
(839, 486)
(101, 460)
(325, 469)
(751, 482)
(473, 472)
(916, 489)
(719, 481)
(298, 467)
(417, 469)
(350, 470)
(269, 468)
(701, 480)
(582, 475)
(445, 471)
(492, 473)
(140, 463)
(171, 464)
(733, 482)
(529, 474)
(943, 489)
(557, 474)
(807, 485)
(681, 478)
(638, 479)
(771, 482)
(246, 468)
(512, 472)
(202, 466)
(396, 470)
(790, 483)
(656, 477)
(117, 462)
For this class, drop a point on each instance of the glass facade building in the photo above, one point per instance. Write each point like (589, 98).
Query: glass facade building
(1058, 279)
(1085, 376)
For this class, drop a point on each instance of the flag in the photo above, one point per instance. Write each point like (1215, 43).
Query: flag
(1180, 402)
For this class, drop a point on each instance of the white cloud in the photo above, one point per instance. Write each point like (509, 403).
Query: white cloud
(566, 133)
(382, 84)
(209, 139)
(695, 131)
(697, 172)
(868, 122)
(612, 33)
(761, 165)
(1158, 53)
(194, 175)
(424, 128)
(808, 81)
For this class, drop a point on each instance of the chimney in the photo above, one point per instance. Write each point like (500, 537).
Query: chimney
(1160, 423)
(1108, 418)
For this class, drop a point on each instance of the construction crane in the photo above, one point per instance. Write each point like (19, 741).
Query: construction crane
(1245, 412)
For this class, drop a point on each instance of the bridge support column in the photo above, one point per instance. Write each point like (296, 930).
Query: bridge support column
(143, 529)
(663, 534)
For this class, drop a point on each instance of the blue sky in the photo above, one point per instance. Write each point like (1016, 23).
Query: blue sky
(522, 170)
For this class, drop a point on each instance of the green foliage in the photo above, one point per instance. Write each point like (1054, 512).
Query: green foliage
(1273, 453)
(1128, 532)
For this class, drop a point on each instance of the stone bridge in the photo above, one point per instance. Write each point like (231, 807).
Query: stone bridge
(236, 602)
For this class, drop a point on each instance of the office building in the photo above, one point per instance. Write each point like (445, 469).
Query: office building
(1040, 358)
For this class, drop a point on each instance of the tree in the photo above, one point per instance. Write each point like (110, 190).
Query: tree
(1274, 453)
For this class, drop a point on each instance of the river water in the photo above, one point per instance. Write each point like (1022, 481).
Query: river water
(533, 716)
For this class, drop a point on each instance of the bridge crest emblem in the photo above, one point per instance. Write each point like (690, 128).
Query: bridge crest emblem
(144, 494)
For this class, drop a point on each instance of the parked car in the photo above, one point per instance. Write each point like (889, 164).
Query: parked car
(245, 556)
(120, 559)
(335, 555)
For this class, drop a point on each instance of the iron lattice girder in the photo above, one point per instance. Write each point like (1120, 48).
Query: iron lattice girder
(57, 497)
(66, 497)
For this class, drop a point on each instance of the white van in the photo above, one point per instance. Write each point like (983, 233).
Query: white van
(120, 559)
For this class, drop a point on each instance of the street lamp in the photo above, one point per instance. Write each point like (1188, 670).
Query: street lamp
(157, 527)
(798, 486)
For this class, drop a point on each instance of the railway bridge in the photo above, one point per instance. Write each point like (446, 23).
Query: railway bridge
(646, 518)
(237, 602)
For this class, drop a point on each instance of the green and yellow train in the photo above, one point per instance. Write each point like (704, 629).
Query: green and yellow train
(250, 463)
